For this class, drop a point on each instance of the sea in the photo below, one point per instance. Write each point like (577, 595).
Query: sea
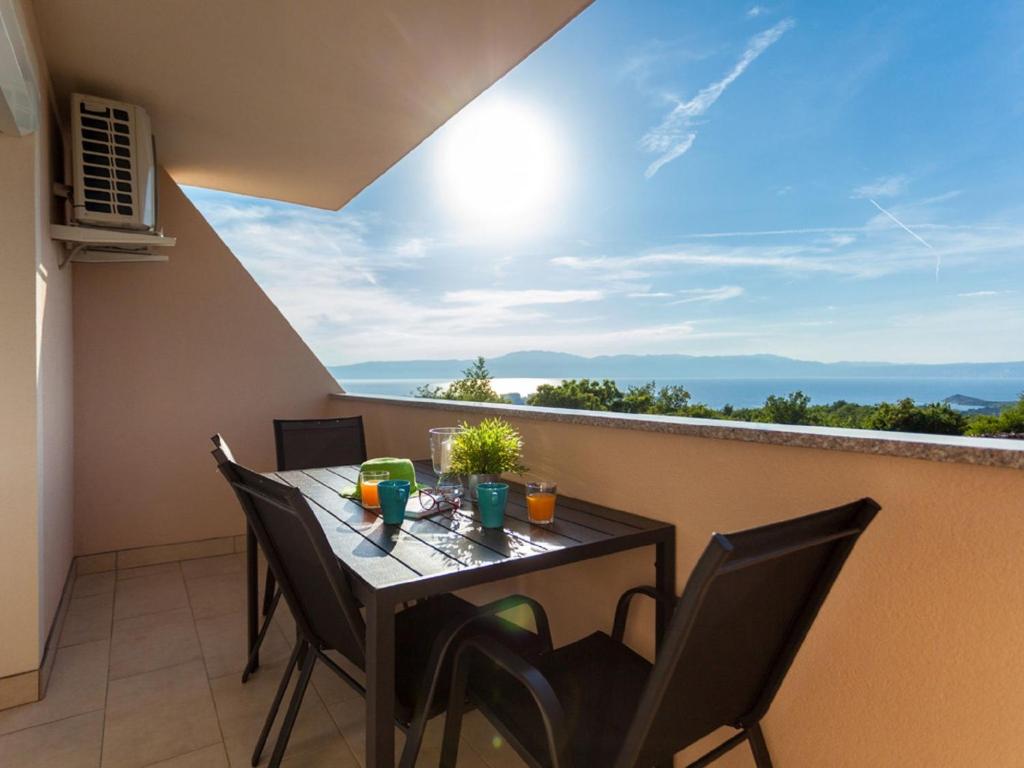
(745, 393)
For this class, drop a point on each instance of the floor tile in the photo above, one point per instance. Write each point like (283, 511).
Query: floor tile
(148, 570)
(333, 689)
(70, 743)
(158, 715)
(172, 553)
(216, 595)
(94, 584)
(224, 644)
(152, 641)
(153, 593)
(488, 743)
(87, 619)
(105, 561)
(350, 717)
(78, 685)
(213, 566)
(241, 709)
(213, 756)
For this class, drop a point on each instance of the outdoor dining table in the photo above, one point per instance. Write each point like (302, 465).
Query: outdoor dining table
(392, 564)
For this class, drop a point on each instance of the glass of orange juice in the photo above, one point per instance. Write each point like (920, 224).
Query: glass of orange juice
(368, 487)
(540, 502)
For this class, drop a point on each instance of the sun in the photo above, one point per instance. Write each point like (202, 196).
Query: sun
(499, 168)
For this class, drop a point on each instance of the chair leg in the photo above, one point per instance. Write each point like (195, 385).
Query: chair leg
(453, 718)
(276, 704)
(293, 709)
(757, 745)
(254, 657)
(269, 592)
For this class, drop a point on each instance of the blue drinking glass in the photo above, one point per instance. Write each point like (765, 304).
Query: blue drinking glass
(492, 498)
(393, 496)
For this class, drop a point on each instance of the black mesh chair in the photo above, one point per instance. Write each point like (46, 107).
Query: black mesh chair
(305, 444)
(327, 616)
(735, 631)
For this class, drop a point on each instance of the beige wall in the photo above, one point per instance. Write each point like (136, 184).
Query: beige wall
(19, 596)
(35, 390)
(54, 364)
(166, 355)
(916, 659)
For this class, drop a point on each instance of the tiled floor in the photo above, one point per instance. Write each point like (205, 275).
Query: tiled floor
(147, 673)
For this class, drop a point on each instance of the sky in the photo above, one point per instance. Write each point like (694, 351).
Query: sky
(827, 181)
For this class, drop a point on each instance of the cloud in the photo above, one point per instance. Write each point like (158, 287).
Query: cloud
(357, 286)
(674, 136)
(982, 294)
(756, 10)
(649, 295)
(885, 186)
(523, 298)
(724, 293)
(882, 248)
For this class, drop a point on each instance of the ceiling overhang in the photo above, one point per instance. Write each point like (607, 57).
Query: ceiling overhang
(307, 102)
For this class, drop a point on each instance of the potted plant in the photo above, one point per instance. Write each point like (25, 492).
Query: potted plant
(483, 452)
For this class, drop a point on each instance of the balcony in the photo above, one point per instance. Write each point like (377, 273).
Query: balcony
(120, 564)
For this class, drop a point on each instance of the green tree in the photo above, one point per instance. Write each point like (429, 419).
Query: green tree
(840, 414)
(906, 416)
(1010, 421)
(474, 386)
(791, 409)
(648, 398)
(583, 394)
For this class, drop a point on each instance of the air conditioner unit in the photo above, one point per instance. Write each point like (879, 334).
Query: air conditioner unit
(114, 183)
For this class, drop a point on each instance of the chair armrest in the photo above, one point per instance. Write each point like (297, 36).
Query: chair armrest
(550, 709)
(622, 609)
(540, 616)
(443, 645)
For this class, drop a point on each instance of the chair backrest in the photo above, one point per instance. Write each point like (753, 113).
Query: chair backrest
(308, 443)
(301, 558)
(737, 627)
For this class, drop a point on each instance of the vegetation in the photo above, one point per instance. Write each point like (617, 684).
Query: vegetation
(1009, 422)
(474, 386)
(794, 408)
(490, 448)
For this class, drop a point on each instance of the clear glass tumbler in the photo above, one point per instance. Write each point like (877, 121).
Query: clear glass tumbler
(540, 502)
(368, 488)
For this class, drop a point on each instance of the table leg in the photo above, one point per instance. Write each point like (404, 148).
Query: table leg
(252, 594)
(380, 683)
(665, 582)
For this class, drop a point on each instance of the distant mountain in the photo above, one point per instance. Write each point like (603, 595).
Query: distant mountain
(560, 365)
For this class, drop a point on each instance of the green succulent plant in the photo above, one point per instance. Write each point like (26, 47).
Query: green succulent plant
(490, 448)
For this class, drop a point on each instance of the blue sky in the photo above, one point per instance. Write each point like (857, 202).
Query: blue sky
(831, 181)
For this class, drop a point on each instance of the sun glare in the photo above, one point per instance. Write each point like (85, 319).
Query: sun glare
(499, 168)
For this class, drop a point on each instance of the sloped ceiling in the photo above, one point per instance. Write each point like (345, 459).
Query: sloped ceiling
(306, 101)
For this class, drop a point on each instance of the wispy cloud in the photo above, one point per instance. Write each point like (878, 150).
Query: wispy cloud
(724, 293)
(886, 186)
(881, 248)
(674, 136)
(982, 294)
(523, 298)
(649, 295)
(755, 11)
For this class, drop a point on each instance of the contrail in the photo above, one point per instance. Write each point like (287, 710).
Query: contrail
(913, 234)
